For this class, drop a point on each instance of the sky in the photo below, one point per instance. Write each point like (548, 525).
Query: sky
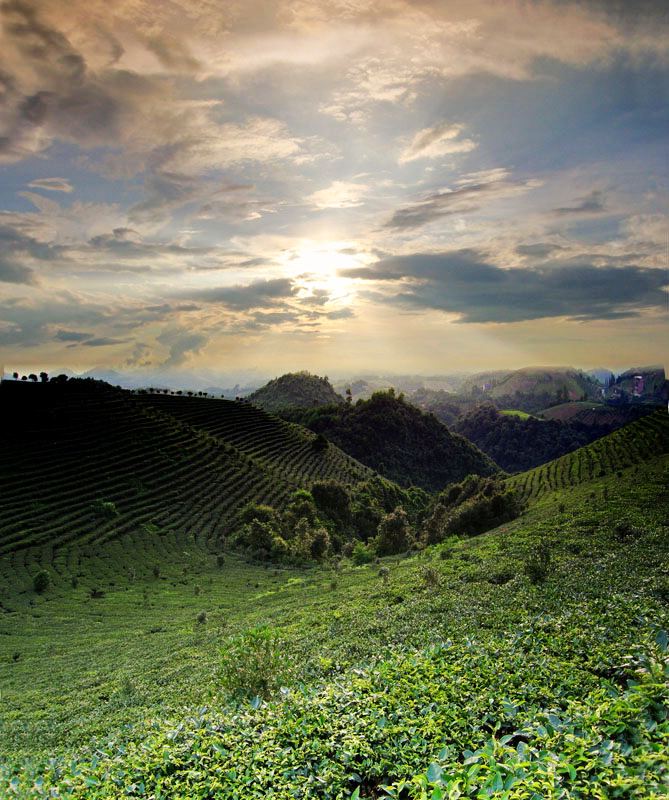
(333, 185)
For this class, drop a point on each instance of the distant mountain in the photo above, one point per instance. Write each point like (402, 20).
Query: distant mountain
(398, 440)
(532, 388)
(295, 390)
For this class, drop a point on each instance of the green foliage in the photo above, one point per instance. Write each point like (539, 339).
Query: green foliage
(41, 581)
(362, 554)
(397, 439)
(253, 664)
(104, 509)
(395, 534)
(470, 508)
(537, 564)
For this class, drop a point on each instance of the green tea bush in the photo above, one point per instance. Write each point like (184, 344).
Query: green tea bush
(41, 581)
(362, 554)
(537, 564)
(104, 509)
(253, 664)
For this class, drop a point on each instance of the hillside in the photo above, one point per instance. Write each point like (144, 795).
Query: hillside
(630, 446)
(519, 443)
(86, 466)
(398, 440)
(592, 414)
(527, 662)
(295, 390)
(532, 388)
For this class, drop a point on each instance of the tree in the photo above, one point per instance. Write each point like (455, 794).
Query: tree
(24, 377)
(349, 396)
(44, 377)
(32, 377)
(395, 534)
(15, 375)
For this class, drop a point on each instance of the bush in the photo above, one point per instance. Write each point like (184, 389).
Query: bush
(537, 564)
(320, 543)
(104, 509)
(202, 618)
(431, 577)
(253, 664)
(362, 554)
(395, 534)
(41, 581)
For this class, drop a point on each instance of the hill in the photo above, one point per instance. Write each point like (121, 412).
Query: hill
(532, 388)
(95, 481)
(527, 662)
(519, 443)
(592, 414)
(398, 440)
(295, 390)
(635, 444)
(640, 385)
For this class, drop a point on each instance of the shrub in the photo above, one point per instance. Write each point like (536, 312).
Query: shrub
(319, 443)
(41, 581)
(220, 559)
(362, 554)
(431, 577)
(253, 664)
(538, 562)
(320, 543)
(384, 574)
(625, 531)
(395, 534)
(156, 571)
(104, 509)
(202, 618)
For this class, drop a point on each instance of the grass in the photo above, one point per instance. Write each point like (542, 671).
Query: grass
(476, 683)
(514, 412)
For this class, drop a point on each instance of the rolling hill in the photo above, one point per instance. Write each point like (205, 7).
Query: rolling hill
(90, 472)
(397, 439)
(640, 442)
(530, 661)
(295, 390)
(532, 388)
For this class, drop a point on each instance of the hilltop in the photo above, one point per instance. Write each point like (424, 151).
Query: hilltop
(397, 439)
(532, 388)
(295, 390)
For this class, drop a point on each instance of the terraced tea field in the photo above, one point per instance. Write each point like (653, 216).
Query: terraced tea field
(95, 481)
(636, 443)
(447, 674)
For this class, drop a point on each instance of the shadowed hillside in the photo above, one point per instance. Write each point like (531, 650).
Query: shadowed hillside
(86, 465)
(398, 440)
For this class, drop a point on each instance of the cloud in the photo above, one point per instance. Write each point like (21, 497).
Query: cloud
(72, 336)
(20, 253)
(182, 343)
(259, 294)
(339, 194)
(466, 198)
(52, 185)
(592, 203)
(435, 142)
(538, 249)
(466, 284)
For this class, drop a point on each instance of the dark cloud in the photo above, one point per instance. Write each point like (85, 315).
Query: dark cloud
(465, 199)
(72, 336)
(181, 343)
(537, 250)
(19, 252)
(102, 341)
(463, 282)
(592, 203)
(243, 298)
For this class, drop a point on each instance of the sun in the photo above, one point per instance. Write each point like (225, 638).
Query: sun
(318, 266)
